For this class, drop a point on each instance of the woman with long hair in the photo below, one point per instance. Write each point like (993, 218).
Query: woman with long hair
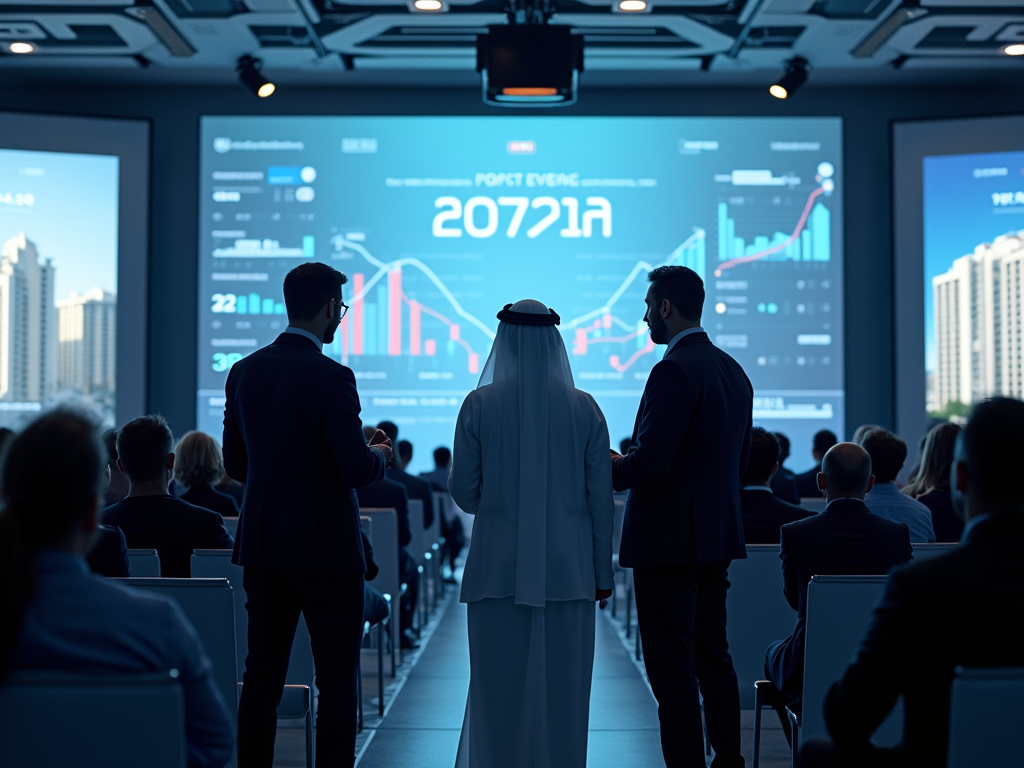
(56, 615)
(199, 466)
(931, 484)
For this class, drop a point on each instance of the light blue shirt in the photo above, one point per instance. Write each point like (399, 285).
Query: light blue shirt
(885, 500)
(682, 335)
(81, 623)
(302, 332)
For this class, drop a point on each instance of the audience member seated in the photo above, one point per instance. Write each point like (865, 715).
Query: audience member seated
(232, 488)
(861, 431)
(624, 445)
(414, 486)
(451, 525)
(931, 485)
(965, 608)
(109, 555)
(784, 481)
(198, 467)
(888, 453)
(117, 488)
(763, 513)
(807, 482)
(150, 517)
(375, 607)
(58, 616)
(845, 539)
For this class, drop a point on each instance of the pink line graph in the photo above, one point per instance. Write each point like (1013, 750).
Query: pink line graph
(454, 332)
(613, 360)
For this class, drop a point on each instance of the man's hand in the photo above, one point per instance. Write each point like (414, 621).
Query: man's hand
(602, 597)
(383, 442)
(615, 454)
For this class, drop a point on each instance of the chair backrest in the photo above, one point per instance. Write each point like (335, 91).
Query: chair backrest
(209, 605)
(838, 611)
(366, 526)
(58, 719)
(434, 531)
(216, 564)
(231, 523)
(144, 562)
(617, 520)
(926, 551)
(986, 718)
(758, 614)
(385, 550)
(813, 503)
(418, 543)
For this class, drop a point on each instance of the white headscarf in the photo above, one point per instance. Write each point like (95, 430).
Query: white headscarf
(533, 385)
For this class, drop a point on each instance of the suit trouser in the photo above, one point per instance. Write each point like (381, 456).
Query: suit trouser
(333, 607)
(409, 574)
(681, 615)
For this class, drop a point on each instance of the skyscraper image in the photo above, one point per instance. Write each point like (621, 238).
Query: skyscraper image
(978, 323)
(28, 323)
(86, 338)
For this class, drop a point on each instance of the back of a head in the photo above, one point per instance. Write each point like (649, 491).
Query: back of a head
(861, 431)
(764, 453)
(368, 431)
(888, 454)
(682, 287)
(624, 445)
(404, 451)
(308, 287)
(143, 446)
(110, 440)
(52, 477)
(783, 447)
(198, 460)
(390, 429)
(991, 447)
(442, 457)
(936, 460)
(824, 440)
(847, 469)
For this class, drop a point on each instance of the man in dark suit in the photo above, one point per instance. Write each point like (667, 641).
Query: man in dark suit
(149, 516)
(292, 434)
(845, 539)
(682, 523)
(807, 482)
(414, 486)
(451, 526)
(784, 481)
(763, 512)
(965, 608)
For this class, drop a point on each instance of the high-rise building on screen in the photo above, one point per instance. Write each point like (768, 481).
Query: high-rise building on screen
(28, 323)
(978, 313)
(86, 334)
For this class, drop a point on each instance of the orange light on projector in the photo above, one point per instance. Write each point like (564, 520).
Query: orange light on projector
(529, 91)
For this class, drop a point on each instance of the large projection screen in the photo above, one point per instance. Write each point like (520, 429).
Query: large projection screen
(439, 222)
(74, 210)
(959, 224)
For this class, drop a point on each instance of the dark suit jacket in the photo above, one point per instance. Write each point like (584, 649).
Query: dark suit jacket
(109, 557)
(764, 513)
(292, 434)
(807, 483)
(845, 539)
(965, 608)
(170, 526)
(784, 486)
(387, 494)
(692, 438)
(948, 526)
(416, 488)
(210, 498)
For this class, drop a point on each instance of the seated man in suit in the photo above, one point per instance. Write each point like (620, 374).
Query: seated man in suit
(451, 526)
(784, 482)
(888, 453)
(965, 608)
(843, 540)
(807, 482)
(414, 486)
(58, 617)
(149, 516)
(763, 512)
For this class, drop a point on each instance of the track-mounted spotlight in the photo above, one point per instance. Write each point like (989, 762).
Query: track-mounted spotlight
(251, 76)
(793, 78)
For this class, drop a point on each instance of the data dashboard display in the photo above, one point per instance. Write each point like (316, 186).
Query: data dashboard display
(438, 222)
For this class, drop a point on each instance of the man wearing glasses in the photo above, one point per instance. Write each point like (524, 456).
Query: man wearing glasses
(292, 434)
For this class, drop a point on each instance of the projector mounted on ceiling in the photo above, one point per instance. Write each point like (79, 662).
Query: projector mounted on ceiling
(529, 64)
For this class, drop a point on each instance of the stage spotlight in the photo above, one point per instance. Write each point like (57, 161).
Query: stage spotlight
(428, 6)
(20, 47)
(1014, 49)
(251, 76)
(529, 65)
(794, 77)
(633, 6)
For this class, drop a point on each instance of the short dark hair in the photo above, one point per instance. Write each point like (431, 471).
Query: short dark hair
(110, 440)
(442, 456)
(682, 287)
(625, 444)
(764, 452)
(143, 446)
(308, 287)
(783, 446)
(888, 453)
(847, 471)
(991, 446)
(404, 450)
(390, 429)
(824, 440)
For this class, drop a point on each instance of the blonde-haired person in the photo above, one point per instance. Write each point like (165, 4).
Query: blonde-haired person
(198, 466)
(931, 485)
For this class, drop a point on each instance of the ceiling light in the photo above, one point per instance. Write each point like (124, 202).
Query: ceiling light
(251, 76)
(529, 65)
(428, 6)
(794, 77)
(20, 47)
(633, 6)
(1014, 49)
